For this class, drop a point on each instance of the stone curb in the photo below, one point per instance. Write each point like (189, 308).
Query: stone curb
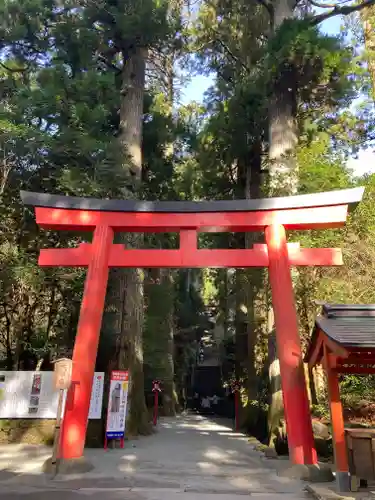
(324, 493)
(310, 474)
(266, 451)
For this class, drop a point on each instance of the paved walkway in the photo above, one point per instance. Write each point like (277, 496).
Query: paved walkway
(190, 457)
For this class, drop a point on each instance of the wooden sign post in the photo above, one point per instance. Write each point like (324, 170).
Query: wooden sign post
(236, 391)
(156, 389)
(62, 380)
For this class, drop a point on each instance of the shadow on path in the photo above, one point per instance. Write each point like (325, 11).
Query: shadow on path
(191, 455)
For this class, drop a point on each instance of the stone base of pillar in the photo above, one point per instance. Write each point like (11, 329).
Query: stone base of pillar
(312, 473)
(68, 467)
(343, 481)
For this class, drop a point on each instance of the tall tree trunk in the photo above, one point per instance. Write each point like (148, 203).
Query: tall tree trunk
(255, 292)
(170, 394)
(305, 290)
(130, 138)
(159, 335)
(368, 20)
(241, 322)
(283, 180)
(8, 338)
(159, 345)
(252, 191)
(248, 286)
(125, 305)
(283, 136)
(276, 407)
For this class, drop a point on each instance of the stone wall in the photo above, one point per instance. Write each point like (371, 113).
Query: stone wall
(38, 431)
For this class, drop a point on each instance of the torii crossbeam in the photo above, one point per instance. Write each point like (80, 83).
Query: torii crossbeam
(272, 215)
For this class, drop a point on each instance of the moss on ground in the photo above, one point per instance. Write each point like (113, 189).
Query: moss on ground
(40, 431)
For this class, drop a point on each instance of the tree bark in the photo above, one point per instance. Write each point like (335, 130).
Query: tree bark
(252, 191)
(125, 305)
(169, 394)
(160, 328)
(255, 295)
(159, 335)
(283, 180)
(276, 407)
(241, 322)
(130, 138)
(283, 136)
(248, 285)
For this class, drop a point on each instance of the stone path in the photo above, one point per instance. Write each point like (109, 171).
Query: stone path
(190, 457)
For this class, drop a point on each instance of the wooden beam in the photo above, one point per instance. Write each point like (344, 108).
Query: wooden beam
(338, 427)
(86, 220)
(332, 360)
(335, 348)
(187, 256)
(317, 351)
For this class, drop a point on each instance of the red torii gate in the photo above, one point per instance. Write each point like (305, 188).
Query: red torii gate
(272, 215)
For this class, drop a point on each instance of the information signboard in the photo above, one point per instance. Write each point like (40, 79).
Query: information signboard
(117, 404)
(96, 401)
(63, 374)
(33, 395)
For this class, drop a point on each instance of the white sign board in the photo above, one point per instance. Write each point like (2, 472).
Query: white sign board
(117, 403)
(33, 395)
(96, 401)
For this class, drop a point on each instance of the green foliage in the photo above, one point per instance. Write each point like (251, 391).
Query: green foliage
(319, 168)
(320, 411)
(318, 64)
(158, 331)
(357, 391)
(59, 76)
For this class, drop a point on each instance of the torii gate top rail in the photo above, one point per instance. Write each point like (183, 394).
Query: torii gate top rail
(331, 198)
(308, 211)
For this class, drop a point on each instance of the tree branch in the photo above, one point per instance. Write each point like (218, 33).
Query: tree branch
(234, 58)
(13, 70)
(341, 11)
(327, 5)
(267, 5)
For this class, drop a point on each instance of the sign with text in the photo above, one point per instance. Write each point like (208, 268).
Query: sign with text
(62, 374)
(156, 386)
(33, 395)
(117, 403)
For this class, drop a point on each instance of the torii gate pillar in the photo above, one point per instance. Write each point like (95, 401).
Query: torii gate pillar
(293, 384)
(74, 428)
